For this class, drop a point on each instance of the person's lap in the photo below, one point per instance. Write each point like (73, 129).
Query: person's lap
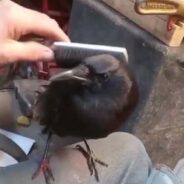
(126, 156)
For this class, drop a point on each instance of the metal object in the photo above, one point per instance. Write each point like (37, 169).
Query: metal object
(165, 7)
(175, 8)
(162, 7)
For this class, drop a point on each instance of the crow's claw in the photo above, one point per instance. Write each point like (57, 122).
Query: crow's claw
(45, 168)
(44, 164)
(101, 162)
(86, 155)
(91, 160)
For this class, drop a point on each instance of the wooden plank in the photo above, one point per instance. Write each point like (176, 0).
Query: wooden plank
(155, 24)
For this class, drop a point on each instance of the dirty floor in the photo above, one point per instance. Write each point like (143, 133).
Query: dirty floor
(161, 126)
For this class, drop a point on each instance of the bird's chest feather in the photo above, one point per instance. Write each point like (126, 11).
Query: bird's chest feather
(79, 110)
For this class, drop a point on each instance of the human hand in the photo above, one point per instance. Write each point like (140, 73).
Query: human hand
(17, 21)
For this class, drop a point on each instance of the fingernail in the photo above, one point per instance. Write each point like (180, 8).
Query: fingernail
(48, 54)
(67, 39)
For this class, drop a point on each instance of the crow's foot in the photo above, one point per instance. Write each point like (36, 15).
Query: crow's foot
(45, 168)
(44, 165)
(91, 159)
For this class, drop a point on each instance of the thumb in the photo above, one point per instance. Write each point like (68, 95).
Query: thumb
(13, 51)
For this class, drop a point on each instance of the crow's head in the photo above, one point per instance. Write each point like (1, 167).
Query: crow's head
(90, 100)
(94, 69)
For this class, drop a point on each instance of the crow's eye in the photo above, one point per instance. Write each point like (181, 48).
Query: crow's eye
(104, 76)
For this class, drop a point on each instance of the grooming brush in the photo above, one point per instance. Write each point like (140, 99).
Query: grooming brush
(75, 52)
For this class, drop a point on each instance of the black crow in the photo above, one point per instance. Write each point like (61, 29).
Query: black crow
(91, 100)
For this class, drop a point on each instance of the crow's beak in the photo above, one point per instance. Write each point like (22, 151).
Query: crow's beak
(80, 73)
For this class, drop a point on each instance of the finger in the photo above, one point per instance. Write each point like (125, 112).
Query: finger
(13, 51)
(41, 24)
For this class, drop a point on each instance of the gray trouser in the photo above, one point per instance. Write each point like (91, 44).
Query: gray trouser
(125, 154)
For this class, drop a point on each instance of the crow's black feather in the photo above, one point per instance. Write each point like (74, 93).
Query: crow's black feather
(90, 110)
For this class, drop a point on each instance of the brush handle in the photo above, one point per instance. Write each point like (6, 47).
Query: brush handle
(71, 54)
